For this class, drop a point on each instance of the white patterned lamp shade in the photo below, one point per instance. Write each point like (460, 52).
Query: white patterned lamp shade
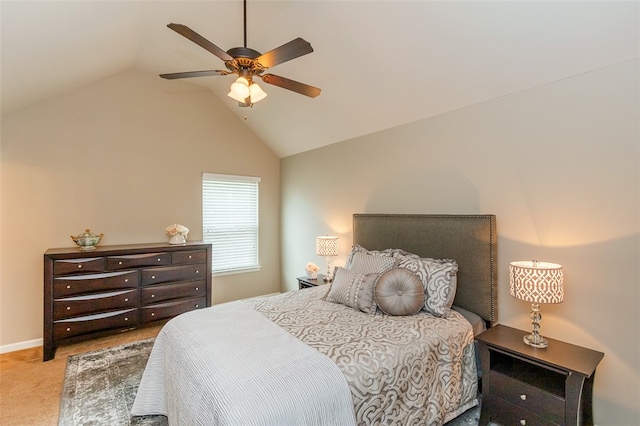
(536, 282)
(327, 246)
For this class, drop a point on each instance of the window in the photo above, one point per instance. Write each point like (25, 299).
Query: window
(230, 221)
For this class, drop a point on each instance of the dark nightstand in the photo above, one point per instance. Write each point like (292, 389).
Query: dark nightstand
(304, 282)
(522, 385)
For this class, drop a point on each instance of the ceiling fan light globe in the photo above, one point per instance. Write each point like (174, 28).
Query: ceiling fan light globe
(257, 94)
(241, 88)
(233, 95)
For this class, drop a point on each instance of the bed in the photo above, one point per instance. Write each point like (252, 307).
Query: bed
(326, 355)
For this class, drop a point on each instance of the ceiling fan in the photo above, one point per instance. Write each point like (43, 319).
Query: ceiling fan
(248, 63)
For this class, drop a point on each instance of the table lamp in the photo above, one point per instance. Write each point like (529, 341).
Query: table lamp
(536, 282)
(327, 246)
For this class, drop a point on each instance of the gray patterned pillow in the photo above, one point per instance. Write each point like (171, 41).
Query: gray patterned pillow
(359, 249)
(353, 289)
(439, 280)
(366, 263)
(399, 292)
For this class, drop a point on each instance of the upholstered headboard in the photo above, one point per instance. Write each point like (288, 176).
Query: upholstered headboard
(468, 239)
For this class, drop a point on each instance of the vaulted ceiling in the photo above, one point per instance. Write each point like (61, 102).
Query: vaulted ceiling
(379, 64)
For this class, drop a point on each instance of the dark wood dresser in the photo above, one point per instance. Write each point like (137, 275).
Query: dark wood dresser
(110, 289)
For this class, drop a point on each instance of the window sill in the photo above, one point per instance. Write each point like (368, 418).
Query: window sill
(237, 271)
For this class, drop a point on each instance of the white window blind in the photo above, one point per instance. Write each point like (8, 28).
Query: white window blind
(230, 221)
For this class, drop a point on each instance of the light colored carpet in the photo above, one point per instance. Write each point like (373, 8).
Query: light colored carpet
(100, 387)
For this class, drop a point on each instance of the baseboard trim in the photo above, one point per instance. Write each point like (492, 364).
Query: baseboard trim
(20, 346)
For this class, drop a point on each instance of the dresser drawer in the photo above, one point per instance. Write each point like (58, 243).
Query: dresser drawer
(63, 329)
(138, 260)
(191, 256)
(160, 293)
(96, 302)
(74, 266)
(170, 309)
(93, 283)
(527, 397)
(508, 414)
(173, 273)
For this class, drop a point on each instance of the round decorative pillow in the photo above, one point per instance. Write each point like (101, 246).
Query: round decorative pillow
(399, 292)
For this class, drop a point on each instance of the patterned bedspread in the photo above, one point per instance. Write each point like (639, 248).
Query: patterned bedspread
(401, 370)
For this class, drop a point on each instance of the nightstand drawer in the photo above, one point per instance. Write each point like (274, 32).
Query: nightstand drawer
(527, 397)
(508, 414)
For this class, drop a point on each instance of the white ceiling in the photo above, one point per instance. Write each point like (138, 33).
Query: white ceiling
(379, 64)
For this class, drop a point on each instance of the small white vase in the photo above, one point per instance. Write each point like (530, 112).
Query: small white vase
(312, 275)
(178, 239)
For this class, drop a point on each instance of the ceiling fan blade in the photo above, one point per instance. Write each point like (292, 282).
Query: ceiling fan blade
(200, 41)
(175, 75)
(285, 83)
(286, 52)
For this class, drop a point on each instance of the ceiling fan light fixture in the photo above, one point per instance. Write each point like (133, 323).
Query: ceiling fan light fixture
(236, 97)
(257, 94)
(247, 64)
(240, 88)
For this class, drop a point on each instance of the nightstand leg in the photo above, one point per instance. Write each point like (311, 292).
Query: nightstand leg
(574, 392)
(485, 413)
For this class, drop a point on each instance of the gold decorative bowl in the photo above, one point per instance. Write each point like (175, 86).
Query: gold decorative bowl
(87, 240)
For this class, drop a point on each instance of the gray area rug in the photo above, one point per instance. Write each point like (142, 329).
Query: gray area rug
(100, 387)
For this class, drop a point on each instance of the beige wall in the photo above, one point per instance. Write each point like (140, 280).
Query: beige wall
(557, 164)
(123, 156)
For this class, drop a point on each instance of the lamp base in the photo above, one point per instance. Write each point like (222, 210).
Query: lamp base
(329, 276)
(537, 341)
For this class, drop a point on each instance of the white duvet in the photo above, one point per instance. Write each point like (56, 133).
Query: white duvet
(229, 365)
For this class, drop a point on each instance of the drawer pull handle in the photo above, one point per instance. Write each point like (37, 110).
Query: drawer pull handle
(523, 397)
(197, 289)
(126, 280)
(523, 422)
(153, 295)
(68, 308)
(126, 319)
(153, 277)
(197, 272)
(68, 287)
(120, 263)
(126, 299)
(153, 314)
(189, 256)
(197, 306)
(158, 259)
(79, 266)
(68, 328)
